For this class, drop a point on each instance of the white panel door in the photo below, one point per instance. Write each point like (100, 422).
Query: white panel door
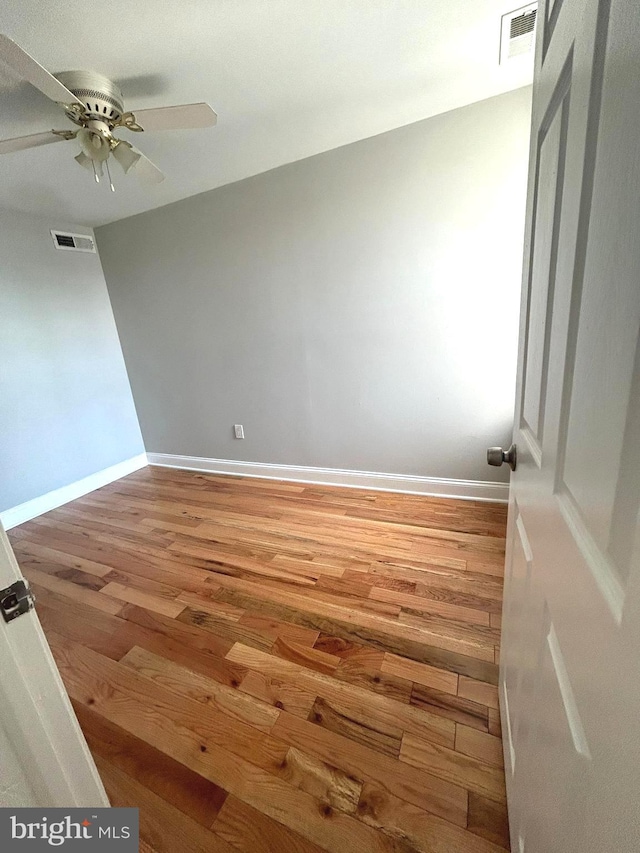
(570, 672)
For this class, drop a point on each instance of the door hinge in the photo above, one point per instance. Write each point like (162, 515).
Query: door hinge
(16, 600)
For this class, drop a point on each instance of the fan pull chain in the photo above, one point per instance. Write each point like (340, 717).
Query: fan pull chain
(113, 189)
(95, 173)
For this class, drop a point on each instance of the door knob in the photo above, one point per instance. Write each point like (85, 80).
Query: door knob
(496, 456)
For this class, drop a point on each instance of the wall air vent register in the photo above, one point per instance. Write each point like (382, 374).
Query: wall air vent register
(518, 32)
(73, 242)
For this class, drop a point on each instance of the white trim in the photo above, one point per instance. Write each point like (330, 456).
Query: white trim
(24, 512)
(476, 490)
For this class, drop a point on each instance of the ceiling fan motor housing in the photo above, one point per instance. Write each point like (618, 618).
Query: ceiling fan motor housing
(101, 97)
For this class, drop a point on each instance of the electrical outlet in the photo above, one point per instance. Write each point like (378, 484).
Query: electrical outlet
(238, 430)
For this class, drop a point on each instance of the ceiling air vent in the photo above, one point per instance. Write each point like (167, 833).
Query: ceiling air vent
(73, 242)
(518, 32)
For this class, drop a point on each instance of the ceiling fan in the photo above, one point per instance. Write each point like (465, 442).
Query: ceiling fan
(96, 105)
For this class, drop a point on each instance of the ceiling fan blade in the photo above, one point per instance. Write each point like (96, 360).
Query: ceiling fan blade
(32, 141)
(26, 67)
(182, 117)
(147, 171)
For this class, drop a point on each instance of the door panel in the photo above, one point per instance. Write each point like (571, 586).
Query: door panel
(548, 210)
(570, 680)
(514, 640)
(559, 784)
(603, 366)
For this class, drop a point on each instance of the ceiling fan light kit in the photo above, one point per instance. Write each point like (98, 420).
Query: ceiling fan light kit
(96, 104)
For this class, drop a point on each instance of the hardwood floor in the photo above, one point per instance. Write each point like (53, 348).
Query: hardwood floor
(267, 666)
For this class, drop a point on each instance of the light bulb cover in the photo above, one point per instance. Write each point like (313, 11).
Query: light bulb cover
(88, 163)
(94, 146)
(126, 155)
(84, 161)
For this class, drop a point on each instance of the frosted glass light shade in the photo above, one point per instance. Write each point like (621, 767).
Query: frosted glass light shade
(89, 164)
(94, 146)
(126, 155)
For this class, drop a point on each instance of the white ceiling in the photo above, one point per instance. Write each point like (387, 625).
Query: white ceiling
(288, 79)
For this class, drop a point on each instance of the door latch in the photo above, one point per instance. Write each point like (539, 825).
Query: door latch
(16, 600)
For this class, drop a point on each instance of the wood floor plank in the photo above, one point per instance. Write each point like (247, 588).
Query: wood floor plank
(488, 819)
(477, 744)
(247, 829)
(373, 679)
(456, 708)
(162, 825)
(423, 831)
(191, 684)
(319, 823)
(137, 561)
(276, 628)
(349, 700)
(261, 665)
(478, 691)
(66, 610)
(57, 557)
(204, 659)
(305, 656)
(455, 767)
(327, 783)
(86, 579)
(79, 627)
(383, 739)
(417, 605)
(495, 727)
(133, 702)
(79, 594)
(421, 673)
(439, 796)
(225, 630)
(382, 712)
(244, 565)
(377, 631)
(353, 652)
(143, 599)
(323, 566)
(175, 631)
(146, 584)
(173, 782)
(283, 695)
(202, 601)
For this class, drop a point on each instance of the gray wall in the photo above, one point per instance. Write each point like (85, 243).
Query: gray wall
(355, 310)
(66, 409)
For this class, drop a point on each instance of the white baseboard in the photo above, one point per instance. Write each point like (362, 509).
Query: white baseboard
(26, 511)
(475, 490)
